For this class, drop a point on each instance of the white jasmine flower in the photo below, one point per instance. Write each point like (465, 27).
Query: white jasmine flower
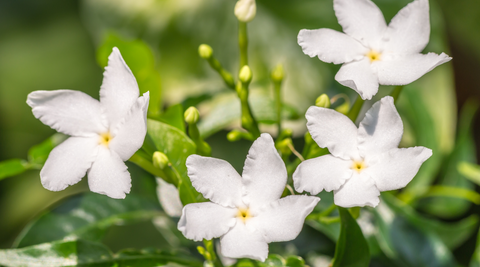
(363, 161)
(246, 211)
(373, 52)
(245, 10)
(103, 133)
(169, 198)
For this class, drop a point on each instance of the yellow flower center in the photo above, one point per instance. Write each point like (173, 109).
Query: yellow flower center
(373, 55)
(244, 214)
(358, 166)
(105, 138)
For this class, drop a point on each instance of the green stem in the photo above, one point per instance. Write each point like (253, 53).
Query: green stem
(243, 43)
(278, 104)
(355, 110)
(226, 76)
(248, 121)
(396, 92)
(209, 246)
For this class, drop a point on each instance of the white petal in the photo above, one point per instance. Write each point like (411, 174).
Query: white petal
(206, 221)
(381, 129)
(169, 199)
(282, 220)
(68, 162)
(333, 130)
(358, 75)
(130, 132)
(119, 89)
(325, 172)
(241, 242)
(406, 69)
(361, 19)
(396, 168)
(109, 175)
(67, 111)
(264, 173)
(216, 179)
(358, 191)
(330, 46)
(409, 30)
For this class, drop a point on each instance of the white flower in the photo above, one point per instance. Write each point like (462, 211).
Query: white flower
(245, 10)
(364, 161)
(103, 133)
(169, 198)
(246, 211)
(373, 52)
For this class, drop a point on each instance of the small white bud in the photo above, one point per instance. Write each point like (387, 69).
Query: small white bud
(245, 10)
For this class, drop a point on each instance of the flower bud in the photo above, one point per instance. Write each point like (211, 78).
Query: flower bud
(323, 101)
(278, 73)
(191, 115)
(245, 74)
(160, 160)
(284, 146)
(205, 51)
(245, 10)
(234, 136)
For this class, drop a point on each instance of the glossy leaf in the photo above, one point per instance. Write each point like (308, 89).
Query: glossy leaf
(272, 260)
(406, 244)
(352, 248)
(177, 146)
(174, 116)
(140, 59)
(470, 171)
(38, 154)
(86, 253)
(86, 216)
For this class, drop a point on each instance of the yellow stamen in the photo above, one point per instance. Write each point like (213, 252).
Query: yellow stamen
(244, 214)
(105, 138)
(373, 55)
(358, 166)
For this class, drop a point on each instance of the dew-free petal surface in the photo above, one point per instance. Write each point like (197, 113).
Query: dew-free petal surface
(359, 76)
(241, 242)
(358, 191)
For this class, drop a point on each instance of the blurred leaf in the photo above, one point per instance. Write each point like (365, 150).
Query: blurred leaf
(86, 253)
(140, 59)
(295, 261)
(452, 234)
(405, 243)
(352, 248)
(86, 216)
(464, 150)
(177, 146)
(470, 171)
(475, 262)
(174, 116)
(273, 260)
(38, 154)
(224, 109)
(12, 167)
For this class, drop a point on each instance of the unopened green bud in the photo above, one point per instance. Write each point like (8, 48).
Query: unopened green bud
(245, 74)
(160, 160)
(278, 73)
(245, 10)
(323, 101)
(343, 108)
(191, 115)
(234, 135)
(205, 51)
(284, 146)
(308, 138)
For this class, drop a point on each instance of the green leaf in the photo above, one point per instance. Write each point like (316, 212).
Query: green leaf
(295, 261)
(475, 261)
(352, 248)
(407, 244)
(86, 253)
(12, 167)
(470, 171)
(225, 110)
(140, 59)
(87, 216)
(174, 116)
(38, 154)
(177, 146)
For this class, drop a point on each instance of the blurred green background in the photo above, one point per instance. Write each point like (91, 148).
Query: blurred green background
(52, 44)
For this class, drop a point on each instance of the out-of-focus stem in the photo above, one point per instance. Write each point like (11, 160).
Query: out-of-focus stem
(396, 93)
(355, 110)
(243, 43)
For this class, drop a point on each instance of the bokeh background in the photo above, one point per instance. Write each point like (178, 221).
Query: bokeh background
(55, 44)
